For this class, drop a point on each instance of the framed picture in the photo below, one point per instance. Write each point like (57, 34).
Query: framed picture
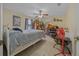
(16, 21)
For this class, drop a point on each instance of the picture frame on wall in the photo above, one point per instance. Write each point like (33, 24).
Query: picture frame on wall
(16, 20)
(57, 20)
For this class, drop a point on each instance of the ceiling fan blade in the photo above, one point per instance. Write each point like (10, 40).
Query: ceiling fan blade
(35, 14)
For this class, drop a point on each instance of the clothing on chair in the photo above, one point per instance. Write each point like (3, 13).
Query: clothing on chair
(64, 43)
(60, 33)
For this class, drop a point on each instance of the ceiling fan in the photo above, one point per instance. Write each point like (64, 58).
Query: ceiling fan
(41, 13)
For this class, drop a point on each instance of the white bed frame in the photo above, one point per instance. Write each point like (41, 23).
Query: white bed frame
(20, 48)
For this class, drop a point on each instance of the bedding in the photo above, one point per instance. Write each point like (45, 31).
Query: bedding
(31, 31)
(17, 29)
(17, 38)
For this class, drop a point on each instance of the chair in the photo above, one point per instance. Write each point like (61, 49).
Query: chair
(60, 40)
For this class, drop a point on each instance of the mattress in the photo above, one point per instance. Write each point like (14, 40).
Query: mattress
(17, 38)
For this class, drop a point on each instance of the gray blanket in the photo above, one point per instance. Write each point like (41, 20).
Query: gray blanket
(18, 38)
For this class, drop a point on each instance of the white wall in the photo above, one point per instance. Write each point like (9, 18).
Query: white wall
(72, 23)
(8, 18)
(69, 23)
(77, 19)
(50, 19)
(77, 27)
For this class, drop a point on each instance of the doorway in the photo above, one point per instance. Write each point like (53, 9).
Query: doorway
(28, 24)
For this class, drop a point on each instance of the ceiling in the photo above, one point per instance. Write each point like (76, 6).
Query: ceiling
(53, 9)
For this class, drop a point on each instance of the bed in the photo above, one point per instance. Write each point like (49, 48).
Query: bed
(17, 41)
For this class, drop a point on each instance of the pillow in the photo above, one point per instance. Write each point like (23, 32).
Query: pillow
(17, 29)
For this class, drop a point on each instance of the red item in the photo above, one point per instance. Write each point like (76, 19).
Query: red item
(61, 35)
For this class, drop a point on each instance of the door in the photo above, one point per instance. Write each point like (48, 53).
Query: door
(1, 46)
(77, 28)
(28, 24)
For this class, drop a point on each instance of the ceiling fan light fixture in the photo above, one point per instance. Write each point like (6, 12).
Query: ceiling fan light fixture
(58, 4)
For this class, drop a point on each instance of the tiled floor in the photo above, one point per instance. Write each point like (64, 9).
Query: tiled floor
(41, 48)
